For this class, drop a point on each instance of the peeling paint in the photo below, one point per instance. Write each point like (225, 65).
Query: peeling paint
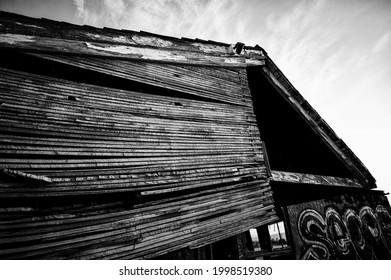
(254, 52)
(120, 39)
(210, 48)
(166, 55)
(151, 41)
(230, 60)
(143, 53)
(15, 38)
(96, 36)
(115, 49)
(251, 61)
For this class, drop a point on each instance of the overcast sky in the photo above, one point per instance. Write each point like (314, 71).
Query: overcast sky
(337, 53)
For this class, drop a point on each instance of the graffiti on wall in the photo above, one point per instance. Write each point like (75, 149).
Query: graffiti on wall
(342, 229)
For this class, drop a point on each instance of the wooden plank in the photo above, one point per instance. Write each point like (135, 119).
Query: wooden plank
(99, 49)
(82, 91)
(28, 26)
(229, 229)
(86, 116)
(77, 244)
(185, 78)
(76, 111)
(152, 186)
(301, 178)
(108, 144)
(199, 210)
(82, 214)
(198, 86)
(37, 249)
(23, 175)
(97, 163)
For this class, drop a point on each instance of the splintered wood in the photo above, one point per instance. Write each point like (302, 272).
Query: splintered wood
(175, 172)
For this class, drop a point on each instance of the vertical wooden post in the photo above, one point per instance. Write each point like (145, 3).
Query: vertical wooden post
(264, 238)
(241, 245)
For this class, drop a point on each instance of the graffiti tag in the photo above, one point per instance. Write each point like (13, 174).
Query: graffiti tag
(365, 234)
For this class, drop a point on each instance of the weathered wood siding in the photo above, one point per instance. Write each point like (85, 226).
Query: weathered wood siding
(92, 171)
(41, 35)
(17, 24)
(342, 227)
(177, 172)
(219, 84)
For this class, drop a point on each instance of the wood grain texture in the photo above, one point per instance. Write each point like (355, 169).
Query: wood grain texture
(300, 178)
(179, 172)
(90, 171)
(12, 23)
(49, 45)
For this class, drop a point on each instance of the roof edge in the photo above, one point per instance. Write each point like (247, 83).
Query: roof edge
(47, 28)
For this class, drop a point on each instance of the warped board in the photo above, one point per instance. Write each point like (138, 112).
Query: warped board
(91, 172)
(219, 84)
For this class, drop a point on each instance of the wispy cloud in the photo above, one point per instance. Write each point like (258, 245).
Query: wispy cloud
(167, 17)
(382, 43)
(305, 43)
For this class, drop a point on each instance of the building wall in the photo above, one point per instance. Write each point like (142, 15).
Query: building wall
(342, 227)
(135, 162)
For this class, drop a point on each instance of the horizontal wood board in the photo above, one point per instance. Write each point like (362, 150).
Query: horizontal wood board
(219, 84)
(17, 24)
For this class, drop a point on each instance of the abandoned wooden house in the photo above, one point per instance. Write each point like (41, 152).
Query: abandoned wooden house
(118, 144)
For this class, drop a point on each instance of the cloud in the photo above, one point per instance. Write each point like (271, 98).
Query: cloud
(153, 16)
(304, 43)
(90, 12)
(206, 19)
(382, 43)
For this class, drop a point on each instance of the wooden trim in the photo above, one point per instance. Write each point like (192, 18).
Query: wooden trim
(48, 28)
(264, 237)
(301, 178)
(38, 44)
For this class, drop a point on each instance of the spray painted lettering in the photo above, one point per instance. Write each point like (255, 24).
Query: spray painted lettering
(341, 232)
